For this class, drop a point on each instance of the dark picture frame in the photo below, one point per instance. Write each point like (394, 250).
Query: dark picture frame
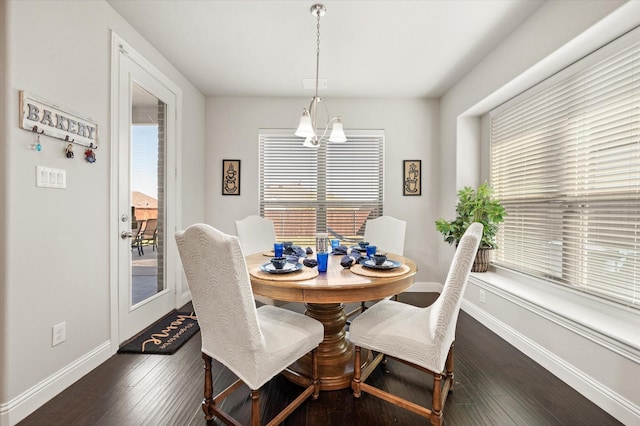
(412, 177)
(230, 177)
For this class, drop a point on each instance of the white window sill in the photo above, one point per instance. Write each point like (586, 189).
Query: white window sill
(611, 324)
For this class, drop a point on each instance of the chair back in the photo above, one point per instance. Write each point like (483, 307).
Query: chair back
(256, 234)
(386, 233)
(220, 288)
(444, 311)
(150, 227)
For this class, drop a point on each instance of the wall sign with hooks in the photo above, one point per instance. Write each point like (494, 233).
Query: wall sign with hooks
(42, 117)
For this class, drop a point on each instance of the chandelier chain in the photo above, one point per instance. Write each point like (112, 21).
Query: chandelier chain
(317, 53)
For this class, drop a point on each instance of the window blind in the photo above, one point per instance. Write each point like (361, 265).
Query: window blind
(565, 162)
(334, 188)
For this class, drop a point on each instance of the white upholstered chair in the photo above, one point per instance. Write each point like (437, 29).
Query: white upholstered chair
(386, 233)
(420, 337)
(255, 344)
(256, 235)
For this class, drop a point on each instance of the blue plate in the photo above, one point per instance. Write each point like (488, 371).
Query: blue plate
(388, 264)
(288, 267)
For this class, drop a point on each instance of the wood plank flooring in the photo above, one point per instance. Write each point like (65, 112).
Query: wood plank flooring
(494, 385)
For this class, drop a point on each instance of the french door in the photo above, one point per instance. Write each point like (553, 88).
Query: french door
(144, 139)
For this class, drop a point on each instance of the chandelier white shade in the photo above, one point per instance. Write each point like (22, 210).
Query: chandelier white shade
(308, 128)
(305, 128)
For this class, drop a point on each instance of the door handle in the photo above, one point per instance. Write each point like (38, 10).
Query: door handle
(124, 235)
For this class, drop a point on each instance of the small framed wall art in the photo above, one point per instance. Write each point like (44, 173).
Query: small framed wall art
(230, 177)
(412, 177)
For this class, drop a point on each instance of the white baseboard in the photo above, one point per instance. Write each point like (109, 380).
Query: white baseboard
(619, 407)
(26, 403)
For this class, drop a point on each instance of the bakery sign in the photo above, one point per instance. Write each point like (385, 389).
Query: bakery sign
(42, 117)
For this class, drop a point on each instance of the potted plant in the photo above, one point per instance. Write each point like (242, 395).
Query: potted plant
(475, 206)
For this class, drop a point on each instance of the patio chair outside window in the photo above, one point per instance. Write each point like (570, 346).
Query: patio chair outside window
(149, 236)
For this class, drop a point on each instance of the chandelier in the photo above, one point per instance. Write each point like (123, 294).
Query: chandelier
(308, 128)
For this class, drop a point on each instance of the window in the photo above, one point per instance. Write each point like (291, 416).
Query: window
(334, 188)
(565, 161)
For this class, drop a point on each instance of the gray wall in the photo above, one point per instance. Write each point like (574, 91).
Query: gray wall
(411, 132)
(56, 263)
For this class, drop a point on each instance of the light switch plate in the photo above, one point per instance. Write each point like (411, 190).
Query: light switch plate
(47, 177)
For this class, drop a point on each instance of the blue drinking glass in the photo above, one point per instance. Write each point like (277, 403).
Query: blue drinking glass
(371, 250)
(323, 260)
(277, 249)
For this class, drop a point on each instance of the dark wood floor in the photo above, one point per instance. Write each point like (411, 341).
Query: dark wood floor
(495, 385)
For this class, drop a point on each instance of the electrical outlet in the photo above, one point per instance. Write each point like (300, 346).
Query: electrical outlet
(59, 333)
(482, 296)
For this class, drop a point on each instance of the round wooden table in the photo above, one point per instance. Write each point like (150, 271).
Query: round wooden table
(324, 297)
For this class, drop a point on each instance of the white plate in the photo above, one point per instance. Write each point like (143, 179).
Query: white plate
(388, 264)
(288, 267)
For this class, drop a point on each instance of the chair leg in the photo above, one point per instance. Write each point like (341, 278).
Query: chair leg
(314, 374)
(449, 368)
(357, 371)
(208, 403)
(255, 408)
(436, 411)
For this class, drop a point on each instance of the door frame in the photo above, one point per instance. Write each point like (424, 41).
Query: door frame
(173, 159)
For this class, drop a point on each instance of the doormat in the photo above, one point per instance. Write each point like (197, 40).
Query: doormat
(165, 336)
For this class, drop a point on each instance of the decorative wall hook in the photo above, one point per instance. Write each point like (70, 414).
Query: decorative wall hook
(90, 156)
(45, 118)
(68, 151)
(36, 144)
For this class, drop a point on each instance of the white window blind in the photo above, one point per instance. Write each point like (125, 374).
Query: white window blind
(565, 161)
(334, 188)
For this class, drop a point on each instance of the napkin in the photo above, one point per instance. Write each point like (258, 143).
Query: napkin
(346, 261)
(351, 259)
(295, 251)
(310, 263)
(356, 255)
(341, 250)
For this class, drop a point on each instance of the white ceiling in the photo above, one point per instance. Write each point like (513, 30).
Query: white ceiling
(375, 48)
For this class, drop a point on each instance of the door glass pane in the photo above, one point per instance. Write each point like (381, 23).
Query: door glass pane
(147, 203)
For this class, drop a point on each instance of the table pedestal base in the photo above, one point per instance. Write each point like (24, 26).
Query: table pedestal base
(335, 352)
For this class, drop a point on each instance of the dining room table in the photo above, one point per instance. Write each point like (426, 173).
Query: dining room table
(324, 295)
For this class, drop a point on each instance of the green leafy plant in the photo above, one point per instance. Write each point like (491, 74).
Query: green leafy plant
(474, 206)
